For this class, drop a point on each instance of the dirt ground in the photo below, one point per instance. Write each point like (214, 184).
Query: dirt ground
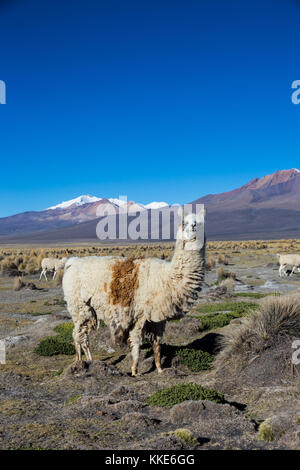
(50, 403)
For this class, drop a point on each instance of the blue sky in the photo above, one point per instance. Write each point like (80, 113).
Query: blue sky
(158, 100)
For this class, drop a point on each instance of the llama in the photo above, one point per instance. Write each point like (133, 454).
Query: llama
(52, 264)
(288, 260)
(135, 297)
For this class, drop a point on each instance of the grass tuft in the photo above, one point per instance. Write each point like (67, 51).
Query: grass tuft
(265, 432)
(187, 437)
(277, 319)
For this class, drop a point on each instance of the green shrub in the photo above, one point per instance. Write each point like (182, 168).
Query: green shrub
(212, 321)
(65, 330)
(195, 360)
(59, 344)
(217, 315)
(186, 436)
(54, 345)
(181, 392)
(265, 432)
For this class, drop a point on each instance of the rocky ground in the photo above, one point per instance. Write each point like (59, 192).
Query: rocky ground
(48, 402)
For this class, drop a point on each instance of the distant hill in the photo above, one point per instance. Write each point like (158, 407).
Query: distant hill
(264, 208)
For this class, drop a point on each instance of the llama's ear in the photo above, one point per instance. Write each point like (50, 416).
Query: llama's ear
(181, 213)
(200, 213)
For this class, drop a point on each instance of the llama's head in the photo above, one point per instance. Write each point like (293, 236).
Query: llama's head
(191, 229)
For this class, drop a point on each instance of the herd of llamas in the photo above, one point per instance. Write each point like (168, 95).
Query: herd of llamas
(135, 297)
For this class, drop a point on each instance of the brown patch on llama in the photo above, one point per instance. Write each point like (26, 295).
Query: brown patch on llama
(124, 282)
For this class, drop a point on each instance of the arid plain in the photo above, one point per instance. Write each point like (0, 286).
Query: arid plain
(214, 400)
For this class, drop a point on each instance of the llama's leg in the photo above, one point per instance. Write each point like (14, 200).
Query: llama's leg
(293, 271)
(54, 274)
(156, 350)
(45, 274)
(84, 323)
(281, 270)
(135, 352)
(85, 347)
(77, 345)
(41, 274)
(81, 342)
(135, 338)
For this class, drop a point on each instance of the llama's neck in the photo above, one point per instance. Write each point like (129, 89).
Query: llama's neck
(187, 274)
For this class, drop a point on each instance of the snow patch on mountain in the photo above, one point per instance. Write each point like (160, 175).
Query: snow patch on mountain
(156, 205)
(78, 201)
(131, 206)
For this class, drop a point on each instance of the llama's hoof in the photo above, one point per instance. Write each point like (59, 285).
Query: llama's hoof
(160, 371)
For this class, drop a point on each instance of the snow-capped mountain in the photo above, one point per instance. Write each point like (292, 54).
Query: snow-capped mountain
(78, 201)
(131, 206)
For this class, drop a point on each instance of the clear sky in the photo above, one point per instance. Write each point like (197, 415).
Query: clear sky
(154, 99)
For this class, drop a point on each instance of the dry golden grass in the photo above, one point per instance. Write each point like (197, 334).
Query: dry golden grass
(277, 318)
(20, 261)
(222, 259)
(210, 263)
(18, 283)
(222, 274)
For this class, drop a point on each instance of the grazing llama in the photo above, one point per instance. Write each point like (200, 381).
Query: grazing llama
(288, 260)
(52, 264)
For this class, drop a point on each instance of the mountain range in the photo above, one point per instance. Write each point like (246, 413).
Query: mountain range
(264, 208)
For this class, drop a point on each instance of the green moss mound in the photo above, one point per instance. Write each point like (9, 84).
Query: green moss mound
(212, 321)
(182, 392)
(238, 307)
(65, 330)
(219, 314)
(59, 344)
(195, 360)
